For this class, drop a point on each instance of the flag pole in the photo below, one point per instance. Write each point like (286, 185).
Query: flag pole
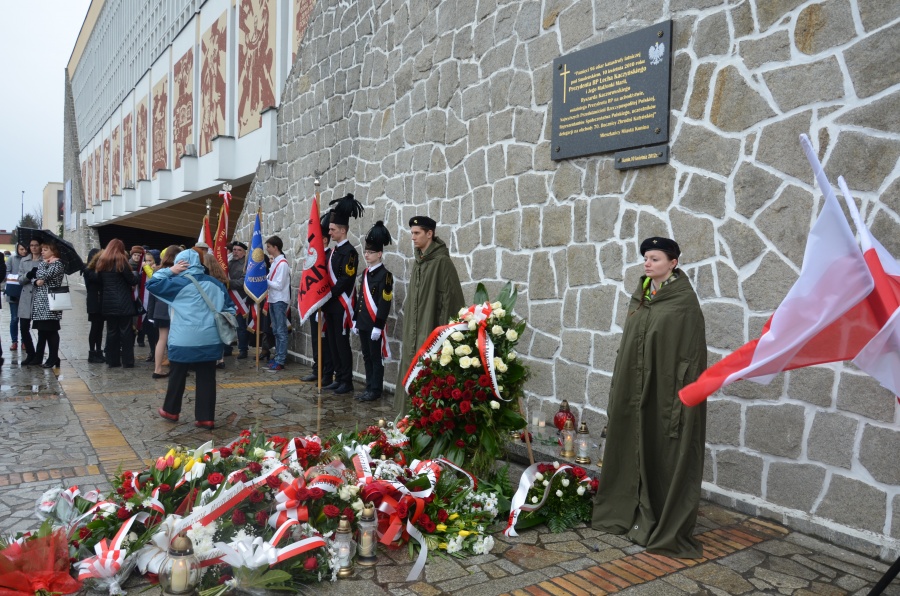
(317, 183)
(258, 325)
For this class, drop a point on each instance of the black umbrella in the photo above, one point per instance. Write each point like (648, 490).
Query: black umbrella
(67, 253)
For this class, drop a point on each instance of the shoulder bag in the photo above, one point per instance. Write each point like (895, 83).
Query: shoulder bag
(226, 323)
(59, 298)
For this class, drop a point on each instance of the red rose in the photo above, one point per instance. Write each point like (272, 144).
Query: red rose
(273, 481)
(84, 532)
(403, 509)
(262, 518)
(465, 406)
(460, 443)
(470, 429)
(257, 496)
(254, 467)
(75, 544)
(128, 494)
(442, 515)
(481, 395)
(331, 511)
(241, 451)
(351, 515)
(310, 563)
(456, 394)
(578, 472)
(223, 579)
(423, 421)
(469, 384)
(439, 382)
(313, 449)
(484, 381)
(451, 380)
(449, 424)
(225, 452)
(316, 493)
(122, 513)
(238, 518)
(245, 432)
(302, 494)
(239, 477)
(447, 393)
(215, 479)
(437, 415)
(448, 412)
(127, 475)
(164, 488)
(429, 526)
(595, 484)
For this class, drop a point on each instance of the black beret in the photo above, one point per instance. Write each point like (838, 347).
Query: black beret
(670, 247)
(241, 244)
(423, 221)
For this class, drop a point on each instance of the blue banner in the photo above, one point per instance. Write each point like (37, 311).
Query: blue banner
(255, 283)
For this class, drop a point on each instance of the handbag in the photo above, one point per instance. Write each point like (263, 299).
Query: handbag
(226, 323)
(59, 298)
(139, 309)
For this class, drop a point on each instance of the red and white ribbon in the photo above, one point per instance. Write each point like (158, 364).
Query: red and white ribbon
(288, 505)
(110, 555)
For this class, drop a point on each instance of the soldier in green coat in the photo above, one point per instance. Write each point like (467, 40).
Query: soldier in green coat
(653, 464)
(434, 295)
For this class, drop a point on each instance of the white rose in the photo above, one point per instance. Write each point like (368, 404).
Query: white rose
(511, 356)
(465, 362)
(538, 476)
(357, 505)
(457, 336)
(463, 350)
(580, 491)
(501, 366)
(565, 482)
(259, 453)
(476, 363)
(496, 306)
(472, 325)
(556, 465)
(499, 313)
(495, 405)
(445, 359)
(497, 330)
(497, 362)
(546, 483)
(559, 493)
(511, 335)
(462, 312)
(534, 499)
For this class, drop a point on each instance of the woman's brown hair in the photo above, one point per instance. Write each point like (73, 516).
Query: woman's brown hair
(170, 252)
(113, 257)
(54, 248)
(210, 262)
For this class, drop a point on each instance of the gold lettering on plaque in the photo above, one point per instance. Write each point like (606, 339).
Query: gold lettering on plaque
(564, 74)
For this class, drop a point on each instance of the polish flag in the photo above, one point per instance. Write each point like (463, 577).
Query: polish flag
(880, 357)
(825, 316)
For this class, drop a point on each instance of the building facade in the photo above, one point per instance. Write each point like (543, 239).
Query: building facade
(443, 108)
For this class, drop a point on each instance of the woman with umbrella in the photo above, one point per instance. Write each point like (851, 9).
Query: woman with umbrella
(47, 276)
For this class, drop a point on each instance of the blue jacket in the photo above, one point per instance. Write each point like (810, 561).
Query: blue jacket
(192, 333)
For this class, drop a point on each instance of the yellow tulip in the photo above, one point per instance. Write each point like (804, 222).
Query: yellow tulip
(442, 545)
(464, 533)
(441, 528)
(170, 453)
(177, 462)
(453, 516)
(189, 464)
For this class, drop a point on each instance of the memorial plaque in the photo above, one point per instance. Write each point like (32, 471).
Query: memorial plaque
(614, 95)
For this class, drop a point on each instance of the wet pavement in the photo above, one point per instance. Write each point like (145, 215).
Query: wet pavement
(81, 423)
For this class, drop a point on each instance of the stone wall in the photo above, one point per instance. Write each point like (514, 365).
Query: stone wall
(83, 237)
(441, 107)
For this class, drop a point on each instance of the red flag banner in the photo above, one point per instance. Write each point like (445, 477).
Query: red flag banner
(220, 249)
(315, 284)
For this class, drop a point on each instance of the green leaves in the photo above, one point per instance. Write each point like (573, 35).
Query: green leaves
(481, 295)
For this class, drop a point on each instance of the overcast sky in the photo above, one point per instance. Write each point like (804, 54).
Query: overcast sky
(36, 40)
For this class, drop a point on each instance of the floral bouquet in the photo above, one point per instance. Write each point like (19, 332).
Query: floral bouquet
(37, 565)
(465, 383)
(551, 493)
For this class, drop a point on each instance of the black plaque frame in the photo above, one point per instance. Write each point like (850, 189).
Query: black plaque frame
(614, 95)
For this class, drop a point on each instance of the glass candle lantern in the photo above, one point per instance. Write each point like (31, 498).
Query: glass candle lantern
(564, 413)
(179, 573)
(602, 447)
(567, 440)
(368, 536)
(582, 445)
(345, 547)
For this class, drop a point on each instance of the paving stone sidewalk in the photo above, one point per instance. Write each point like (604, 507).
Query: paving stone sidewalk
(82, 422)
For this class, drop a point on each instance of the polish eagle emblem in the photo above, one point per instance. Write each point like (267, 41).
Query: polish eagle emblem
(657, 51)
(311, 257)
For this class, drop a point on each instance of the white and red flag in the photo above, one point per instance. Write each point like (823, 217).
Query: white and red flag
(880, 357)
(825, 317)
(205, 233)
(315, 283)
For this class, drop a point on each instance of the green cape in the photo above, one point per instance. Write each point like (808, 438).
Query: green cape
(653, 463)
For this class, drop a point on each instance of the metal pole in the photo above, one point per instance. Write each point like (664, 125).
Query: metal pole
(316, 182)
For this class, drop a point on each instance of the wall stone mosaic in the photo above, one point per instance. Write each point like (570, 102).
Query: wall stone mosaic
(442, 108)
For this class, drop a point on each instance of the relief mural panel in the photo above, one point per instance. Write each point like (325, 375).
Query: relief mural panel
(141, 140)
(256, 63)
(116, 163)
(96, 196)
(86, 183)
(160, 136)
(212, 83)
(127, 149)
(183, 105)
(105, 196)
(302, 12)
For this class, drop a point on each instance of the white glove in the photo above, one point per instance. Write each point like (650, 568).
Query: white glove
(353, 329)
(376, 334)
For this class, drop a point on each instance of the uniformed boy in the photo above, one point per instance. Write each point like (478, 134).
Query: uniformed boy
(373, 305)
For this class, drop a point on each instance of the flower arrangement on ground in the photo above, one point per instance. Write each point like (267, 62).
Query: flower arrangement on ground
(465, 384)
(559, 495)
